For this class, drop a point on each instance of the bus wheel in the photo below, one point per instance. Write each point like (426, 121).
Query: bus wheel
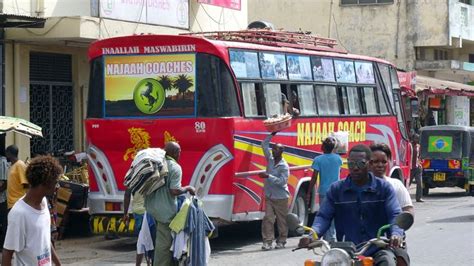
(471, 191)
(301, 210)
(426, 189)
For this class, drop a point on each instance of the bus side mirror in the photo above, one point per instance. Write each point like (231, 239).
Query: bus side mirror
(414, 108)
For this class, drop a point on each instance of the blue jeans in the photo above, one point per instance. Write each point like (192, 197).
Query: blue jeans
(138, 223)
(330, 234)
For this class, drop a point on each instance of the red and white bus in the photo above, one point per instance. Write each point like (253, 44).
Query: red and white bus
(210, 92)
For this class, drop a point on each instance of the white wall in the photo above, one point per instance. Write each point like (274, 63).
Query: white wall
(461, 20)
(213, 18)
(458, 110)
(48, 8)
(17, 7)
(60, 8)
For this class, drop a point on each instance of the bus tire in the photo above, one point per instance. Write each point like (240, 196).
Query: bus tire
(426, 189)
(301, 210)
(471, 191)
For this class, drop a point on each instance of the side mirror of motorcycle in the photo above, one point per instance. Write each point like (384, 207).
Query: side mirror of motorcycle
(294, 223)
(404, 220)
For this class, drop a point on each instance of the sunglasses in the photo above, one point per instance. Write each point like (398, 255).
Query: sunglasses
(357, 164)
(378, 161)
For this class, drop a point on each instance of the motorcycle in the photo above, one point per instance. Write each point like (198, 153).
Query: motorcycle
(346, 253)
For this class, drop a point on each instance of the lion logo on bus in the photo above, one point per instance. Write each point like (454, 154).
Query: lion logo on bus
(149, 96)
(140, 140)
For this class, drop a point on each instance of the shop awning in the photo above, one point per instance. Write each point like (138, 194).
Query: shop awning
(19, 21)
(434, 86)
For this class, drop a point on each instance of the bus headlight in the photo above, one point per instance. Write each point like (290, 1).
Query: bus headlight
(336, 256)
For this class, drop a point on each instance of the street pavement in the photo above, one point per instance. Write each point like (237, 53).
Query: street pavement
(443, 234)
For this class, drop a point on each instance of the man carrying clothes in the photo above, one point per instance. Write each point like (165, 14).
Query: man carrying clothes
(328, 167)
(360, 205)
(276, 194)
(162, 205)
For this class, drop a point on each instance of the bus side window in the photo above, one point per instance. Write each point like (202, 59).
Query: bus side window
(381, 101)
(368, 100)
(385, 73)
(252, 97)
(327, 100)
(306, 100)
(353, 101)
(273, 99)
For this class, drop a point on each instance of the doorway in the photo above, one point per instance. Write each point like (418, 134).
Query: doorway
(51, 102)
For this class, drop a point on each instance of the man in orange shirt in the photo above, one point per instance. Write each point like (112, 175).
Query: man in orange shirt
(17, 184)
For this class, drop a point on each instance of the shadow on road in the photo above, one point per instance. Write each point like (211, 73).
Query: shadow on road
(233, 237)
(458, 219)
(443, 195)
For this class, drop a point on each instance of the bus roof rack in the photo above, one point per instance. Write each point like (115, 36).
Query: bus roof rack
(279, 38)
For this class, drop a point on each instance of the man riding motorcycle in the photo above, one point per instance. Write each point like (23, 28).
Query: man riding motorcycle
(360, 205)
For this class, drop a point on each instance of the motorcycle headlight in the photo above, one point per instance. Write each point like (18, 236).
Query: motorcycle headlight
(336, 256)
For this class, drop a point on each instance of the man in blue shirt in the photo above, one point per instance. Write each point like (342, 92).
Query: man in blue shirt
(360, 205)
(276, 194)
(328, 166)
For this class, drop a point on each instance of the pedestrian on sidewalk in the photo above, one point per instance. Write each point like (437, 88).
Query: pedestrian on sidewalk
(276, 194)
(416, 171)
(162, 205)
(29, 228)
(381, 155)
(17, 182)
(328, 166)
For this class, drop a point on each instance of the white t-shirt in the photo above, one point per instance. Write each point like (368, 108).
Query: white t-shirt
(29, 234)
(402, 193)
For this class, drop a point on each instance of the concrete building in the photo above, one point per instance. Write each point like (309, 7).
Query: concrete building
(435, 38)
(47, 70)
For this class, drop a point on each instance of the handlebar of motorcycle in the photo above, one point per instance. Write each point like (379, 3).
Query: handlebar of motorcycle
(381, 242)
(313, 233)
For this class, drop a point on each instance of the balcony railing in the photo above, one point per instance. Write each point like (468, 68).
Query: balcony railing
(444, 65)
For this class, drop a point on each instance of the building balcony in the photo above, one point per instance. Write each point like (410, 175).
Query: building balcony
(439, 65)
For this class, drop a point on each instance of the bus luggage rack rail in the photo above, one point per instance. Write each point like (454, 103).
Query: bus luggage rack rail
(278, 38)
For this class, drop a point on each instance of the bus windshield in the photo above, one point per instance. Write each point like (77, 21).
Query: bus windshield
(160, 86)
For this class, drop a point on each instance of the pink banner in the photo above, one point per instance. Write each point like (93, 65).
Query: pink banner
(232, 4)
(407, 79)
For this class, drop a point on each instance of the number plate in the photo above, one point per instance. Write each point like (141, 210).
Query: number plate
(439, 177)
(107, 224)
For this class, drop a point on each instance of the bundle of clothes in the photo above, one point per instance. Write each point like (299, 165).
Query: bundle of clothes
(147, 172)
(191, 229)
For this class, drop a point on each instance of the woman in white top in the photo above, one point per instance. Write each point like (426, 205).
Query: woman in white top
(381, 155)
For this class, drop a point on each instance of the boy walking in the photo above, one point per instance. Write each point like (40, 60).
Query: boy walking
(328, 167)
(29, 222)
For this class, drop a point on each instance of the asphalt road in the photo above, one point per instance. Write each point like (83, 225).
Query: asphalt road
(443, 234)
